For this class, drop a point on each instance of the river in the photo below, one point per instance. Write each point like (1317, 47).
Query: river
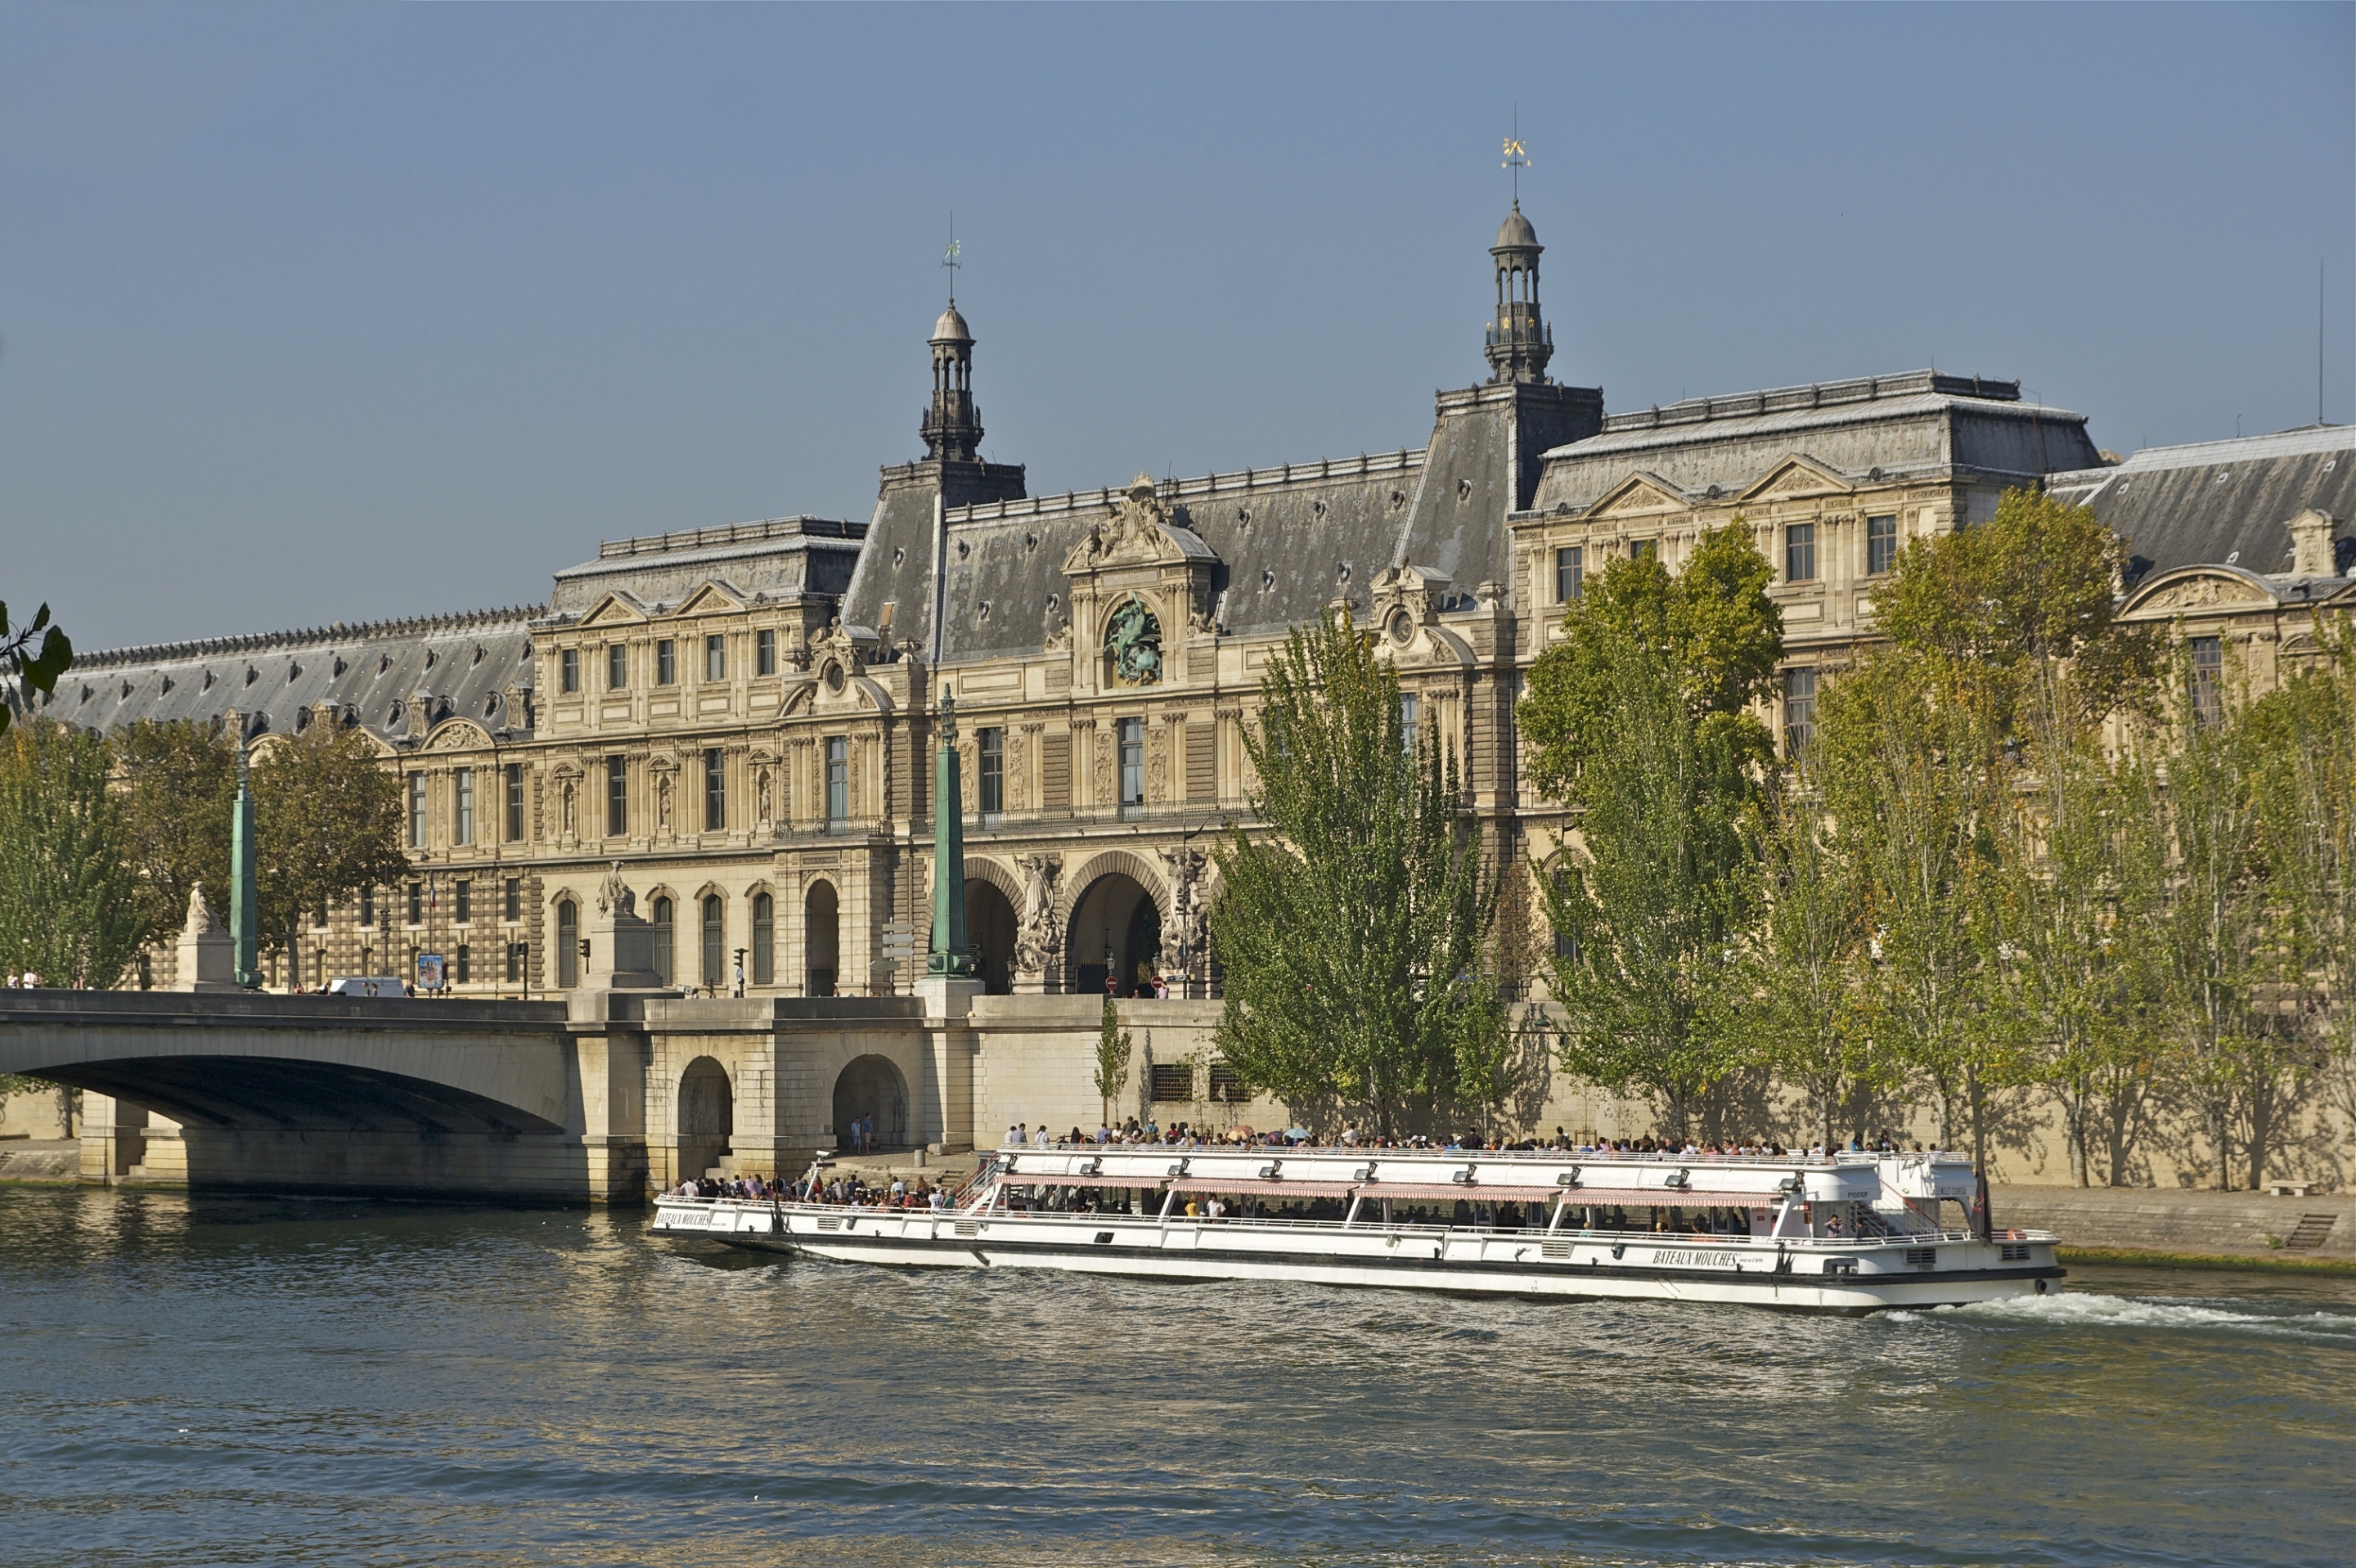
(267, 1381)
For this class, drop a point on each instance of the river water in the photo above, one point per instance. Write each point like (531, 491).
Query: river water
(261, 1381)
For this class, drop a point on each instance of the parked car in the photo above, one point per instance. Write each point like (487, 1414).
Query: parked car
(366, 986)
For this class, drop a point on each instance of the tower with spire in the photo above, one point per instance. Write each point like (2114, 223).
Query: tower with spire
(1520, 343)
(952, 427)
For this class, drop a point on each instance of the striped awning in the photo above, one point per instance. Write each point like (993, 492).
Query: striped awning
(1485, 1193)
(1025, 1179)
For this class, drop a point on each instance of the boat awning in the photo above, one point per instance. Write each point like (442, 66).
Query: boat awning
(1669, 1198)
(1255, 1187)
(1025, 1179)
(1487, 1192)
(1623, 1197)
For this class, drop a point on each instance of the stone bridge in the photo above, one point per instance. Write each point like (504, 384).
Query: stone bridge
(599, 1098)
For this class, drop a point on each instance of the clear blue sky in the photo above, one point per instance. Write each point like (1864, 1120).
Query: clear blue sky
(333, 313)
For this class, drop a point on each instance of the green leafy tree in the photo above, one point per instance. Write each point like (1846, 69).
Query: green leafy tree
(70, 897)
(1114, 1049)
(1354, 937)
(1712, 625)
(328, 823)
(178, 782)
(1655, 899)
(1802, 969)
(26, 667)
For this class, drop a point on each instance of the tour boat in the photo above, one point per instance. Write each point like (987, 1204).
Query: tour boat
(1844, 1232)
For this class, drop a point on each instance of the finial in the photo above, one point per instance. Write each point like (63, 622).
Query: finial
(952, 257)
(948, 718)
(1516, 158)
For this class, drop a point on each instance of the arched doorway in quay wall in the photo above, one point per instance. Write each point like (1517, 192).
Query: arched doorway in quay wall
(872, 1086)
(707, 1115)
(1116, 928)
(989, 932)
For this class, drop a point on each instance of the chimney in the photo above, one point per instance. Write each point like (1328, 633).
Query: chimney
(2310, 545)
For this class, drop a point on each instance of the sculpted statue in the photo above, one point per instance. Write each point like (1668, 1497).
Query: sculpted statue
(1133, 638)
(762, 791)
(202, 920)
(614, 895)
(1036, 938)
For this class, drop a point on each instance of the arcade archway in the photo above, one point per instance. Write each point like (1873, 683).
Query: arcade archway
(989, 932)
(1115, 931)
(821, 940)
(872, 1086)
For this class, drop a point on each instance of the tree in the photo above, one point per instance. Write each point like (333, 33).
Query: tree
(26, 669)
(178, 783)
(1712, 625)
(69, 898)
(328, 823)
(1640, 720)
(1654, 898)
(1801, 970)
(1355, 936)
(1113, 1049)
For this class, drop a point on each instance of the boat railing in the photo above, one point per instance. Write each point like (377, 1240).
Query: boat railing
(1537, 1156)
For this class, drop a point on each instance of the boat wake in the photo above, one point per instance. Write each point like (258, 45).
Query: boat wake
(2092, 1310)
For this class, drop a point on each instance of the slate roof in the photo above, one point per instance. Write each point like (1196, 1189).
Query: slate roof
(1920, 423)
(464, 661)
(776, 557)
(1290, 540)
(2222, 501)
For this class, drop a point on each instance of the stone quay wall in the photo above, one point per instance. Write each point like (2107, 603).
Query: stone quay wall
(2221, 1224)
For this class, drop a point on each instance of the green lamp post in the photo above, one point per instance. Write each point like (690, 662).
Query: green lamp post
(244, 913)
(950, 955)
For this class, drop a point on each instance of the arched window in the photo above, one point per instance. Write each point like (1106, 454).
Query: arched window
(568, 943)
(714, 943)
(764, 940)
(663, 925)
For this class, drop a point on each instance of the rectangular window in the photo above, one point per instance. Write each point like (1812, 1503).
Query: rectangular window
(461, 806)
(1410, 713)
(319, 918)
(715, 657)
(513, 774)
(417, 811)
(568, 943)
(1227, 1085)
(991, 786)
(1173, 1080)
(1880, 545)
(618, 797)
(568, 664)
(1638, 549)
(462, 898)
(417, 903)
(838, 778)
(368, 907)
(766, 651)
(1800, 553)
(1569, 574)
(666, 663)
(1132, 761)
(1799, 709)
(515, 963)
(617, 667)
(2208, 681)
(512, 903)
(715, 789)
(464, 969)
(764, 940)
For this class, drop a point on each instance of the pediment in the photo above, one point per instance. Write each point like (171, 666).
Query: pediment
(1797, 475)
(2201, 588)
(1142, 531)
(458, 735)
(616, 609)
(1640, 492)
(713, 598)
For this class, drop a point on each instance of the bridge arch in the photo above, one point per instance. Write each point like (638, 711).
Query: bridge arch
(707, 1114)
(872, 1086)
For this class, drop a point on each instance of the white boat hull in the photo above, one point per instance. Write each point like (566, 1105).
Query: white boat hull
(1806, 1276)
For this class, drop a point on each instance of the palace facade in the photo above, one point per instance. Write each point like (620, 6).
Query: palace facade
(741, 716)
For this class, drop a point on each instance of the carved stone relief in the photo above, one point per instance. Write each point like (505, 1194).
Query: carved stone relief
(1039, 937)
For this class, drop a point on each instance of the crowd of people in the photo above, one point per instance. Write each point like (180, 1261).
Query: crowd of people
(1180, 1135)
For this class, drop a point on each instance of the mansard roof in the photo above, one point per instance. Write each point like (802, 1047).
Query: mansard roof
(1868, 429)
(1288, 540)
(775, 558)
(2221, 501)
(372, 672)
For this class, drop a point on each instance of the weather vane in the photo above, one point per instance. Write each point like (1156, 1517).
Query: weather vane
(1516, 158)
(953, 258)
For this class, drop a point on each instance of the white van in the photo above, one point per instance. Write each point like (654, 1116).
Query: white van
(366, 986)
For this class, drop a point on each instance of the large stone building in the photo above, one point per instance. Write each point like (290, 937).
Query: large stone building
(741, 716)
